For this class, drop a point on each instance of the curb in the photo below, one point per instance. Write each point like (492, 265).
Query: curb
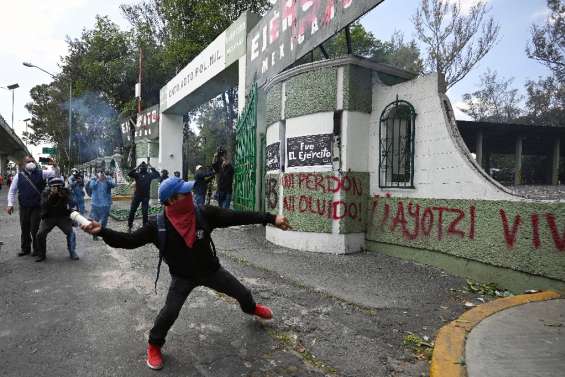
(448, 358)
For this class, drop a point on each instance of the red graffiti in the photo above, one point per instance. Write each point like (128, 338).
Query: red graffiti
(557, 238)
(413, 221)
(330, 209)
(316, 182)
(510, 235)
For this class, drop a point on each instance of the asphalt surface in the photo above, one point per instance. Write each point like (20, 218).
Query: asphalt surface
(333, 315)
(526, 340)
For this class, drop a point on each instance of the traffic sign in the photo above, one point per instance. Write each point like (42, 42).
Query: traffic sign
(51, 151)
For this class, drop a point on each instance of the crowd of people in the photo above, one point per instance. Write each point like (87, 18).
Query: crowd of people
(45, 199)
(182, 232)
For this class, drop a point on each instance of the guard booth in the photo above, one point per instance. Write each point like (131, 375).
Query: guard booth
(220, 66)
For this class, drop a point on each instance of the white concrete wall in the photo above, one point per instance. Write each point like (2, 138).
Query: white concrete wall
(317, 242)
(443, 167)
(170, 142)
(355, 141)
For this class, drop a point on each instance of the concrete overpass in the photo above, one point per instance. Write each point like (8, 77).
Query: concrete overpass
(11, 146)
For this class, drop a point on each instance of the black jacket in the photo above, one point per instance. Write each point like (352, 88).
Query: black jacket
(199, 261)
(143, 181)
(56, 205)
(225, 179)
(201, 180)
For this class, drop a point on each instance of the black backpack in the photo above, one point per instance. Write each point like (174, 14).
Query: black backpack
(203, 231)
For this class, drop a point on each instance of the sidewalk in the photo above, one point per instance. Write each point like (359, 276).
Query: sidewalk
(526, 340)
(516, 336)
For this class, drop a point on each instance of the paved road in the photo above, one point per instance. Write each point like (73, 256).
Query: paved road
(334, 316)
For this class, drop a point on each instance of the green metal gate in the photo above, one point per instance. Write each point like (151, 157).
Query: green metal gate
(246, 156)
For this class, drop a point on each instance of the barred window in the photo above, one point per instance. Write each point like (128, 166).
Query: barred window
(396, 141)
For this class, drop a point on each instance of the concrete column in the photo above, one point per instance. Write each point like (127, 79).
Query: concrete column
(242, 66)
(518, 161)
(3, 164)
(170, 142)
(479, 147)
(555, 162)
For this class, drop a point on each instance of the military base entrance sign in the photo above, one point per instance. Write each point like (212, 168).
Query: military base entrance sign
(293, 28)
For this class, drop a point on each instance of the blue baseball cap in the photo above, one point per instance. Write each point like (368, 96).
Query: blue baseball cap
(172, 186)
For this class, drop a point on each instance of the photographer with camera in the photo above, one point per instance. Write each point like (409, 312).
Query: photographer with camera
(56, 206)
(76, 183)
(143, 175)
(202, 178)
(225, 172)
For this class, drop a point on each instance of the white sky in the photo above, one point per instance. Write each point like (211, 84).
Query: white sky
(35, 31)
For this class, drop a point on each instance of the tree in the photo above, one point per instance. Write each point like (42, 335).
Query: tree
(545, 102)
(396, 52)
(495, 101)
(547, 43)
(102, 69)
(454, 42)
(181, 29)
(49, 118)
(546, 96)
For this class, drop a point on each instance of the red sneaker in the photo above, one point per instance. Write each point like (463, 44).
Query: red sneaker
(263, 311)
(154, 357)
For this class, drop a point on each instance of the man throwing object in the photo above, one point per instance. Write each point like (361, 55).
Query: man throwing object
(182, 234)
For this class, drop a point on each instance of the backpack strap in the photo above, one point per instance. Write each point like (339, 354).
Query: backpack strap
(202, 224)
(162, 240)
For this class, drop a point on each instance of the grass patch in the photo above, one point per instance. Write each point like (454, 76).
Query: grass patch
(487, 289)
(421, 347)
(290, 341)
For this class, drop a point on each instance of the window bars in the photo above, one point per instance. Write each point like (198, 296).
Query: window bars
(396, 145)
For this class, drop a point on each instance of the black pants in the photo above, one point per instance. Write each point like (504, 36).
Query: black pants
(47, 224)
(221, 281)
(29, 223)
(135, 205)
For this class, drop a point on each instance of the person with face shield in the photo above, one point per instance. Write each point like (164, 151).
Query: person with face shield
(182, 233)
(101, 186)
(76, 184)
(143, 176)
(56, 207)
(28, 185)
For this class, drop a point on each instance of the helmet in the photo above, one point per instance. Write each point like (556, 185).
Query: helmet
(56, 182)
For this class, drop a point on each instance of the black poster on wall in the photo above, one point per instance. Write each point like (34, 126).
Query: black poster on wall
(309, 150)
(273, 154)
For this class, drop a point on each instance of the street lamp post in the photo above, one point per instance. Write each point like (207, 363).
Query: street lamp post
(29, 65)
(12, 88)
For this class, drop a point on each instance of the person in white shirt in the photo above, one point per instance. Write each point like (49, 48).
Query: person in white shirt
(28, 185)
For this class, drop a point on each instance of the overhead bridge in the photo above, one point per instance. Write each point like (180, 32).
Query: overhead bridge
(11, 146)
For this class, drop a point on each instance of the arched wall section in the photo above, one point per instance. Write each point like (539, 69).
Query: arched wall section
(455, 216)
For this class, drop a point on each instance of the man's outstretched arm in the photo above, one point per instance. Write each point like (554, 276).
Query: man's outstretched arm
(222, 218)
(142, 236)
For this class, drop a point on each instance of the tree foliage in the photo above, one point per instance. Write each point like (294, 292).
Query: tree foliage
(546, 96)
(494, 101)
(396, 51)
(547, 43)
(455, 42)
